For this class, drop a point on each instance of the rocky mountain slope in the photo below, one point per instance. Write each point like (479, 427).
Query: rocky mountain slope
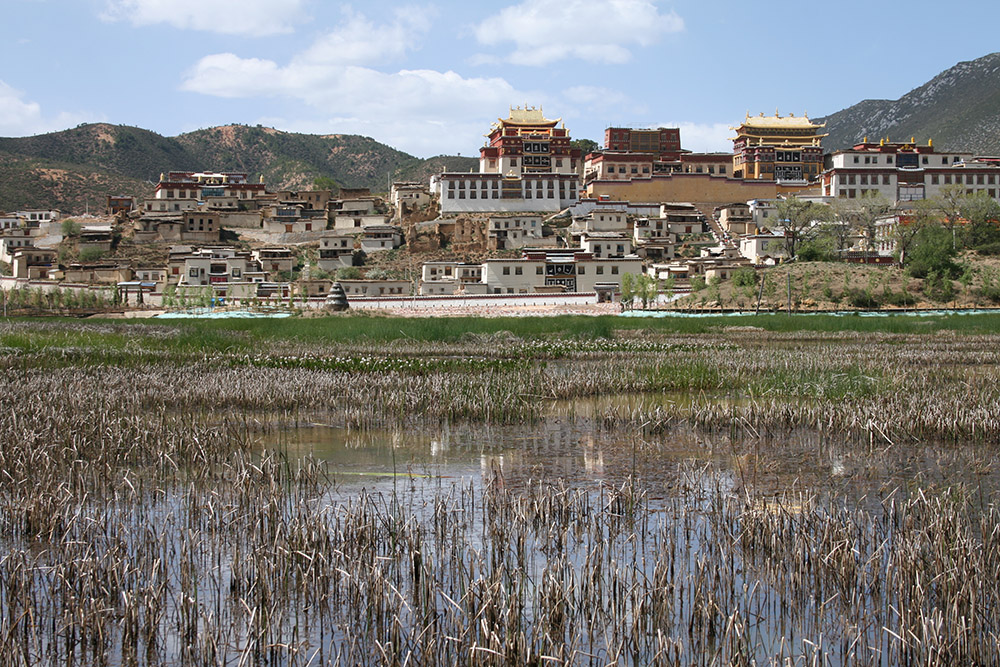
(76, 169)
(959, 109)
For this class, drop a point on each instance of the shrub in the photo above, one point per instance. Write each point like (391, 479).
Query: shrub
(933, 252)
(938, 286)
(989, 249)
(91, 255)
(745, 277)
(697, 284)
(900, 299)
(859, 298)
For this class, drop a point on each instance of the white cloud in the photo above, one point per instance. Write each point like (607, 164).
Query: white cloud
(418, 110)
(597, 31)
(358, 41)
(229, 17)
(19, 117)
(595, 97)
(704, 137)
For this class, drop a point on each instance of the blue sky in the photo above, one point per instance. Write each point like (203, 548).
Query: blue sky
(429, 78)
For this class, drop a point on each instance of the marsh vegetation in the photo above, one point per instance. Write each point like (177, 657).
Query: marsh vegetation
(557, 493)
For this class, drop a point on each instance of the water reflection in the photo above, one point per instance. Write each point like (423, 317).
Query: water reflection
(571, 446)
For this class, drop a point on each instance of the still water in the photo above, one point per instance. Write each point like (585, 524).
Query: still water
(571, 445)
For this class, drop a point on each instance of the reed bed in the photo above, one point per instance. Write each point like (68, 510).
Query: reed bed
(141, 524)
(271, 567)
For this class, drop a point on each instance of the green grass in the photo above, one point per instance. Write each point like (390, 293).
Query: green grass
(335, 329)
(233, 335)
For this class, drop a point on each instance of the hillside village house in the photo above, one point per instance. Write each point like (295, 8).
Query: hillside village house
(763, 213)
(350, 223)
(309, 200)
(907, 172)
(561, 271)
(103, 273)
(606, 244)
(354, 204)
(375, 288)
(314, 287)
(599, 221)
(182, 190)
(14, 239)
(211, 266)
(763, 249)
(335, 251)
(274, 260)
(95, 237)
(648, 230)
(31, 263)
(406, 197)
(511, 232)
(152, 274)
(9, 221)
(36, 216)
(120, 204)
(736, 218)
(292, 219)
(439, 278)
(158, 227)
(381, 237)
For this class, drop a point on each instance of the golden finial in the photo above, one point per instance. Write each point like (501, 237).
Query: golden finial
(930, 143)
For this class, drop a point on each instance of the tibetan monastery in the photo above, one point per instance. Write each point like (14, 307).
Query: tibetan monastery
(776, 148)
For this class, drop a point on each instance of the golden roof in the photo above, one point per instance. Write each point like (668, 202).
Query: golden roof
(776, 122)
(527, 116)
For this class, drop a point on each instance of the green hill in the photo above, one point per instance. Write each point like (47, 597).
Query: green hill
(73, 169)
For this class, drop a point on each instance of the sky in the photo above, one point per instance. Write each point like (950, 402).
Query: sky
(430, 78)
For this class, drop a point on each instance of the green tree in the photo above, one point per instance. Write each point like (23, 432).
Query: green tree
(70, 227)
(858, 216)
(800, 219)
(982, 222)
(91, 255)
(745, 277)
(668, 287)
(348, 273)
(823, 246)
(628, 290)
(933, 252)
(585, 145)
(648, 289)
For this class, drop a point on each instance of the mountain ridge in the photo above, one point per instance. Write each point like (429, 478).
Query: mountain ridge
(959, 110)
(131, 159)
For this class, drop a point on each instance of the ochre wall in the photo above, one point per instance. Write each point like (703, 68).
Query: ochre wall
(694, 188)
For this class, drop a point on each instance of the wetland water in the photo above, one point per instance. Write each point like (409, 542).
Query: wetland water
(571, 446)
(735, 498)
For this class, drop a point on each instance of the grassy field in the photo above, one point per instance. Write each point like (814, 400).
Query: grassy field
(227, 334)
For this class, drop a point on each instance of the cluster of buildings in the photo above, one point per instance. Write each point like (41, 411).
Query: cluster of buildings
(553, 218)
